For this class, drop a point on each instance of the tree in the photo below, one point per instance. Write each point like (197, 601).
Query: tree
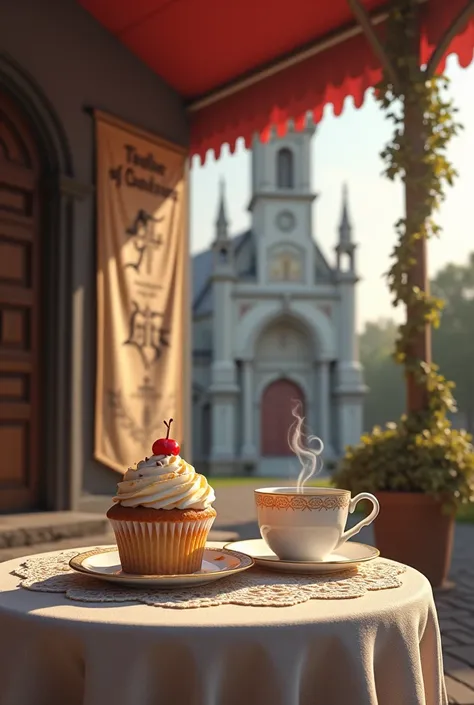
(377, 341)
(453, 341)
(453, 347)
(385, 400)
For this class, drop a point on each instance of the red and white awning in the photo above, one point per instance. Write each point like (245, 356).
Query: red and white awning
(243, 66)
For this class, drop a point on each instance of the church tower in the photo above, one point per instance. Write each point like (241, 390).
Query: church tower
(281, 207)
(275, 324)
(350, 389)
(223, 390)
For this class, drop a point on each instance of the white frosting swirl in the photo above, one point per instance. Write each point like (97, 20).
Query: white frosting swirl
(164, 482)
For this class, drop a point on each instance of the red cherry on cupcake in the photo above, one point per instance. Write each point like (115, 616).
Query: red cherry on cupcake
(166, 446)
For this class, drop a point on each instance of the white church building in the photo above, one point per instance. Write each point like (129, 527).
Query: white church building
(274, 322)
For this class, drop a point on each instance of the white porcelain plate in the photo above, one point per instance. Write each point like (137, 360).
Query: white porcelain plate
(348, 556)
(104, 563)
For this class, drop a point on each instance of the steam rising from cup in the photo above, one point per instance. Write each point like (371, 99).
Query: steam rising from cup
(307, 456)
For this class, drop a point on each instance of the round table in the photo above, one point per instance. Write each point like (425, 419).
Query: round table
(380, 649)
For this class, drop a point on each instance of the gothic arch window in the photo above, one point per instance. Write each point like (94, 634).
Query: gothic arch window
(285, 168)
(285, 264)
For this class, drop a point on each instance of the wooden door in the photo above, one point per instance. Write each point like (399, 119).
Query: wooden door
(276, 417)
(19, 312)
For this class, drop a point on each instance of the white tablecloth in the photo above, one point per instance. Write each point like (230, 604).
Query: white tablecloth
(383, 648)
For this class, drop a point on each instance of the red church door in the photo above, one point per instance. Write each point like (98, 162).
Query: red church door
(276, 417)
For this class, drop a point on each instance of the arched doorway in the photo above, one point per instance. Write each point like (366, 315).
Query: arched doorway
(20, 299)
(276, 417)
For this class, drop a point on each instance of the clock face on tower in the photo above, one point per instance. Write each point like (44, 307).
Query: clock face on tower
(285, 221)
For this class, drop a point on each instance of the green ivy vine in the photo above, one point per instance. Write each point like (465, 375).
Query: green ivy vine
(421, 452)
(426, 172)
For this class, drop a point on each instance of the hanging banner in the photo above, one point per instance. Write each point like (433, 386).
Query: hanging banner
(142, 318)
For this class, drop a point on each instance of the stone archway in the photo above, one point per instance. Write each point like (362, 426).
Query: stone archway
(276, 417)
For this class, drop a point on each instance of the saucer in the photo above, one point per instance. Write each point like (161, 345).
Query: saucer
(104, 563)
(347, 557)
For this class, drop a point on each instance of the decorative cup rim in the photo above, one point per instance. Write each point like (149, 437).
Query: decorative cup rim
(307, 491)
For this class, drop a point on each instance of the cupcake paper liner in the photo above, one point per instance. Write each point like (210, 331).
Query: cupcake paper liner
(161, 548)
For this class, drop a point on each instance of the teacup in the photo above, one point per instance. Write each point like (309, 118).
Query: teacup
(308, 524)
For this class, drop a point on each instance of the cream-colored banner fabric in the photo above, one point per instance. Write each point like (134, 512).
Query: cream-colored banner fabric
(141, 291)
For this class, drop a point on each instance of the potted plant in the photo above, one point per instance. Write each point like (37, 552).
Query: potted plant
(420, 467)
(420, 476)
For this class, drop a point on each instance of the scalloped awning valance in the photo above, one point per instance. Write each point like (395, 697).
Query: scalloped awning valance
(243, 66)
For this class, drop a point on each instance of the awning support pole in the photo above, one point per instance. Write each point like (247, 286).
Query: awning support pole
(447, 38)
(414, 130)
(368, 29)
(281, 64)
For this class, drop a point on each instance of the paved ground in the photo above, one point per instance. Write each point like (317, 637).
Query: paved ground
(236, 518)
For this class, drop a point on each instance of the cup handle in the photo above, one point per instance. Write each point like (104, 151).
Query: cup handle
(364, 522)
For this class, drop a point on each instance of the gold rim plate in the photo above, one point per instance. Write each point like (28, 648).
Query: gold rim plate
(347, 557)
(104, 563)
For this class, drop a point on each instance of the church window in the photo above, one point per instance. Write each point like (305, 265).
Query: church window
(223, 255)
(345, 262)
(285, 176)
(286, 267)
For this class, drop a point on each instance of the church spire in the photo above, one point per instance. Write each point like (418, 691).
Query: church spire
(222, 223)
(222, 245)
(345, 227)
(346, 247)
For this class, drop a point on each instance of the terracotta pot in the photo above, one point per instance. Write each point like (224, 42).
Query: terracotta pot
(411, 528)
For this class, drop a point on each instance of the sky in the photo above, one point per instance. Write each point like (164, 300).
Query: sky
(346, 149)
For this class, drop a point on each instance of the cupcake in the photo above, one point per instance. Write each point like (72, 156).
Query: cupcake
(162, 513)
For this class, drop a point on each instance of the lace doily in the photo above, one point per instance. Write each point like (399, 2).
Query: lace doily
(254, 587)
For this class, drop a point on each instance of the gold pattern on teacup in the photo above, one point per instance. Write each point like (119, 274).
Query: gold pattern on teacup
(311, 502)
